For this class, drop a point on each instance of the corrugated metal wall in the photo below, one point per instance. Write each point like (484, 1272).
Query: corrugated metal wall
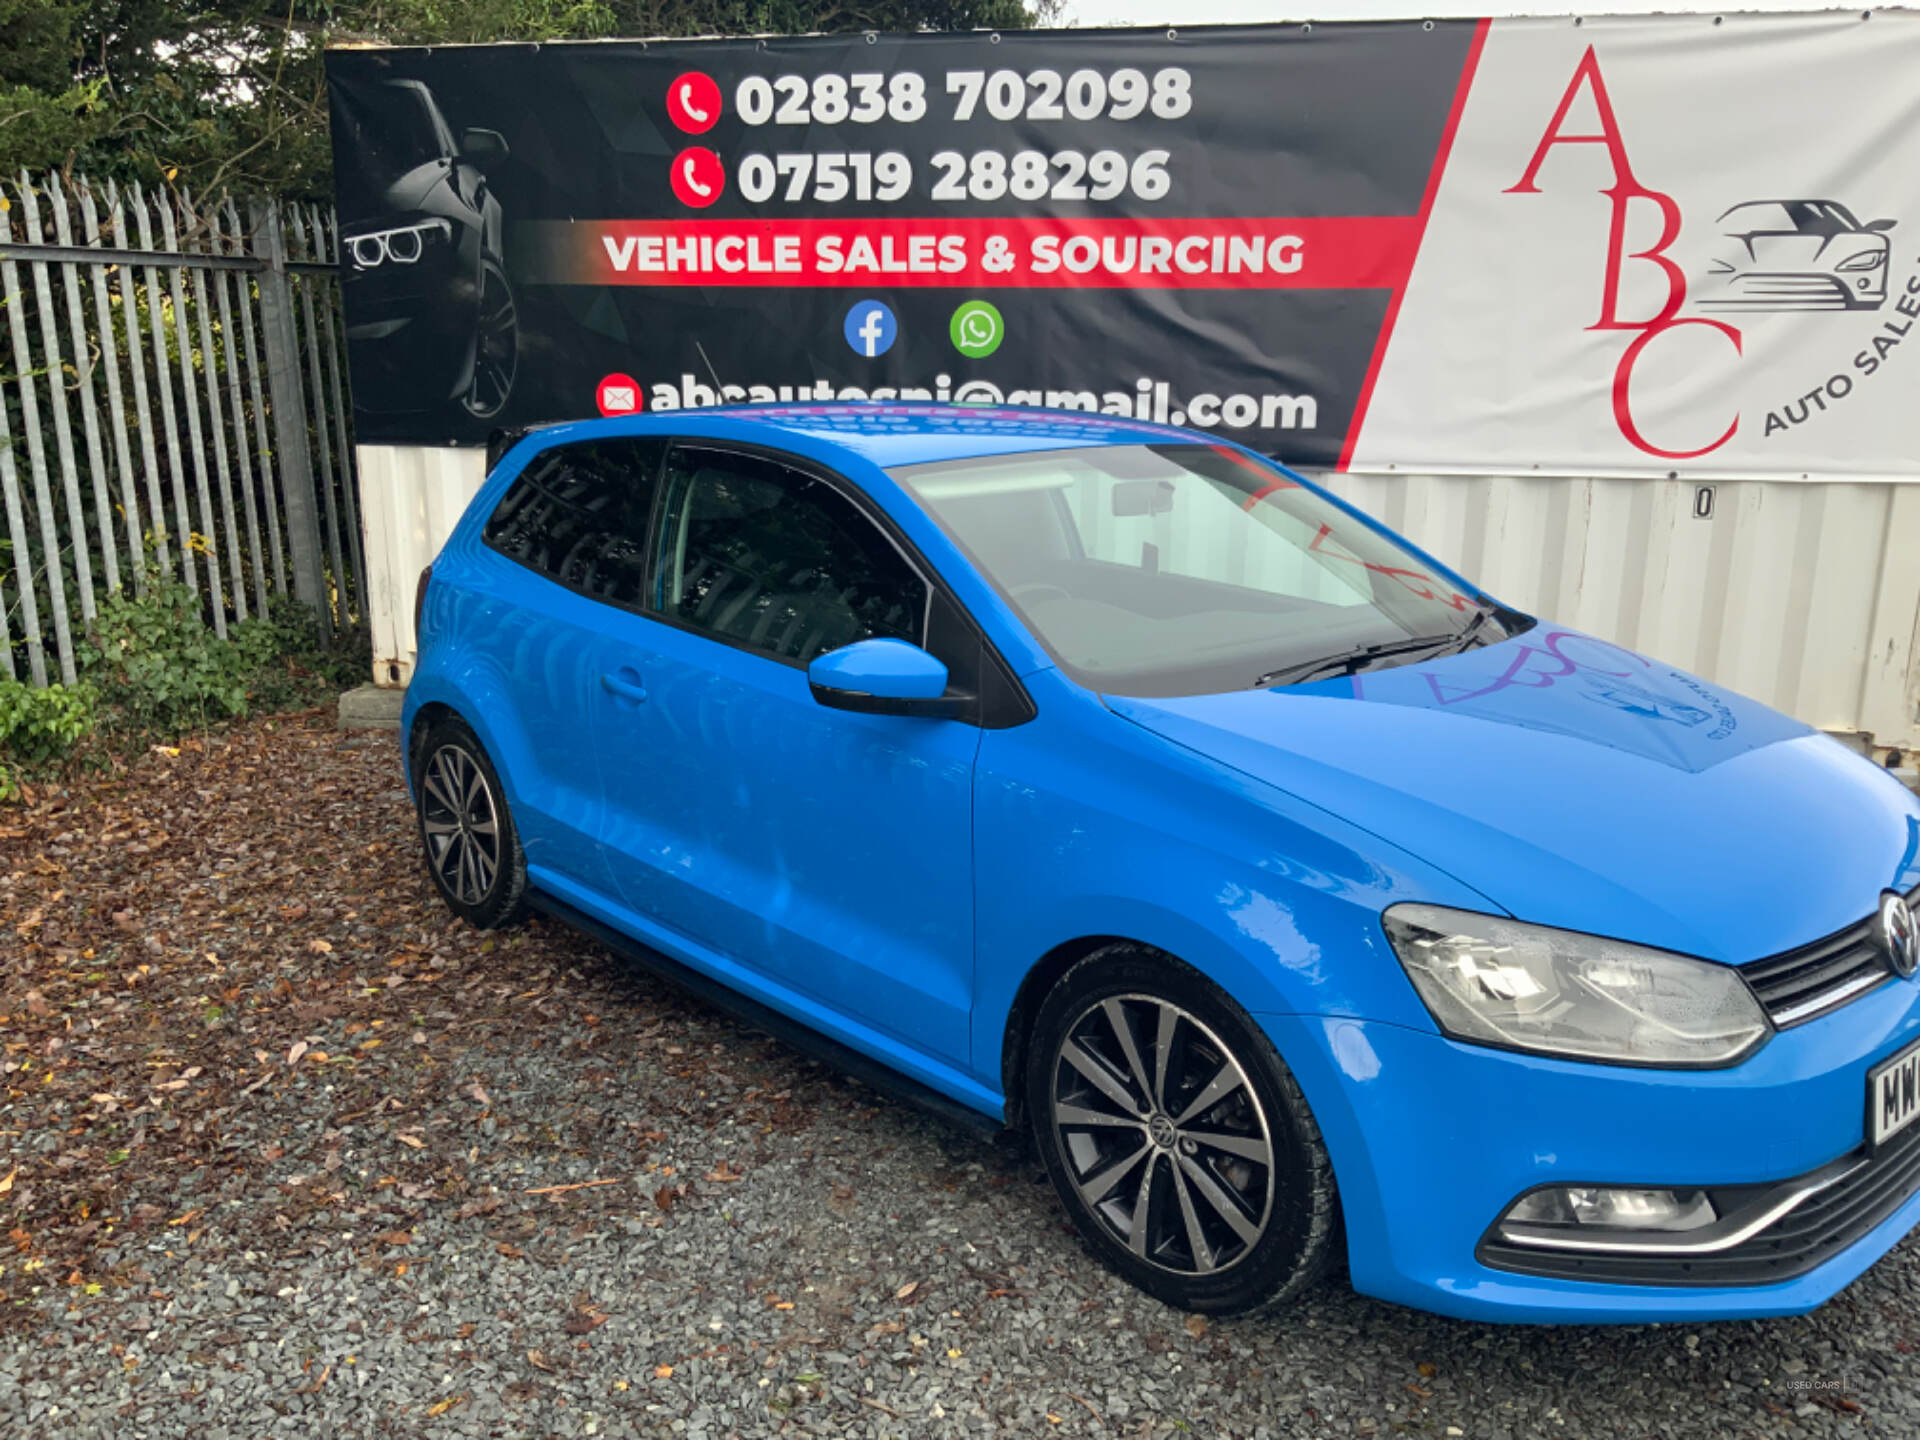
(411, 496)
(1803, 594)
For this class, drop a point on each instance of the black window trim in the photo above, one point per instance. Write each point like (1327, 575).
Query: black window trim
(983, 713)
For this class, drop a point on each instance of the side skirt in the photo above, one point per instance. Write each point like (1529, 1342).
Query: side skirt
(844, 1058)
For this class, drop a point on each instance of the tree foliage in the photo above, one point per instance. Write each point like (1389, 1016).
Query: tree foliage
(231, 94)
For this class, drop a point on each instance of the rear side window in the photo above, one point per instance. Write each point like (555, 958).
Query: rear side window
(777, 561)
(578, 514)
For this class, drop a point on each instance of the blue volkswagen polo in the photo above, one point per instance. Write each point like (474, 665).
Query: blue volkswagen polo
(1108, 781)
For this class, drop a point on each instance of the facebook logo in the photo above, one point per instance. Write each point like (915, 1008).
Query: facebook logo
(870, 328)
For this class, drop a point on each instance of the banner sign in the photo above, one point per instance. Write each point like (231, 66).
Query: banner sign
(1531, 246)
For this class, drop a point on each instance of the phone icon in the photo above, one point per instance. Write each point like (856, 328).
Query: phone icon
(697, 177)
(693, 102)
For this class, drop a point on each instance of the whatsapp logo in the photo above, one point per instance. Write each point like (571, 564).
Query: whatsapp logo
(977, 329)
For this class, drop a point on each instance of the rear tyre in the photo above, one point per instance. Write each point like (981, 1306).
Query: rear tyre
(1177, 1138)
(467, 834)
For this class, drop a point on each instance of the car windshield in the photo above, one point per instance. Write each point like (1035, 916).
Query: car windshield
(1786, 217)
(1182, 569)
(397, 129)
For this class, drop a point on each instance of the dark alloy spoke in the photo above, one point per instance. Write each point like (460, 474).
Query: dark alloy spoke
(1124, 1064)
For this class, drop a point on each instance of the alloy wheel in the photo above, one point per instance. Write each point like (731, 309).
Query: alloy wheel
(1163, 1137)
(462, 824)
(496, 349)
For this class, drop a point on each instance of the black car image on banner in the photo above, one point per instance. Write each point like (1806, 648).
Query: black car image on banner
(1207, 227)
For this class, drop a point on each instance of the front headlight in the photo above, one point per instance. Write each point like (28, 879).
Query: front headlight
(1499, 982)
(403, 244)
(1865, 260)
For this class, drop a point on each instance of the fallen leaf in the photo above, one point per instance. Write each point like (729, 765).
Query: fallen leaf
(905, 1292)
(663, 1197)
(7, 1184)
(412, 1141)
(440, 1407)
(300, 1048)
(511, 1251)
(37, 1005)
(663, 1372)
(480, 1207)
(1196, 1325)
(584, 1322)
(319, 947)
(396, 1237)
(539, 1361)
(1427, 1369)
(725, 1174)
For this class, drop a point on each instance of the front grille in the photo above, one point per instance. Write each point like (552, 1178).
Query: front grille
(1804, 984)
(1808, 1236)
(1777, 290)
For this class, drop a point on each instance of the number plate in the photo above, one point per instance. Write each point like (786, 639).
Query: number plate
(1893, 1095)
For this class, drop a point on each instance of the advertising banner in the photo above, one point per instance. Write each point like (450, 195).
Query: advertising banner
(1534, 246)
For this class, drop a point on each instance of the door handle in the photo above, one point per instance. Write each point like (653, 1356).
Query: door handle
(626, 689)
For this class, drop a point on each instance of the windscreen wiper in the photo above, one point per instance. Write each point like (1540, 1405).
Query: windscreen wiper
(1351, 662)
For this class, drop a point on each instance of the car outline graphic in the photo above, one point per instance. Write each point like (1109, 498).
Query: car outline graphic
(1798, 255)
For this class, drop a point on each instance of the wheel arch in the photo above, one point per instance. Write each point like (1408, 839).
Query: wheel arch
(1041, 977)
(424, 720)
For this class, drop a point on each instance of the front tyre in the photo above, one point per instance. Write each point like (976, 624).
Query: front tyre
(466, 831)
(496, 346)
(1179, 1141)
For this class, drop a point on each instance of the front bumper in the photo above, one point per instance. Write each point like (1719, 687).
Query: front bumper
(1432, 1140)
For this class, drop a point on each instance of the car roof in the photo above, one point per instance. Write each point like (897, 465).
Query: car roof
(887, 434)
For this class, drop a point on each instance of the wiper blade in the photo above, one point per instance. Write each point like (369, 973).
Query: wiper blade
(1464, 640)
(1349, 662)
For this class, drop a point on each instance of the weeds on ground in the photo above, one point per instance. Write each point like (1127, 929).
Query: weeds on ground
(151, 670)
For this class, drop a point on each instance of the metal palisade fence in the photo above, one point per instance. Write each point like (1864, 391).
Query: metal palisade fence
(172, 394)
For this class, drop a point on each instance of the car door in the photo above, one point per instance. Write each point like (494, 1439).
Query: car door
(830, 851)
(565, 544)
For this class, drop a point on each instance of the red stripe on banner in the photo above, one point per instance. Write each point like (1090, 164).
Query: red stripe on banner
(1440, 155)
(1237, 252)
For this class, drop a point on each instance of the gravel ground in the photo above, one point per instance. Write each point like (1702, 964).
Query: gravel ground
(285, 1152)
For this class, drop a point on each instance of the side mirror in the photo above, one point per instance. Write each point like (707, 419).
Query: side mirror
(1880, 227)
(481, 146)
(882, 677)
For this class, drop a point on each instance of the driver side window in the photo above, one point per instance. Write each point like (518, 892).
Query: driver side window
(776, 561)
